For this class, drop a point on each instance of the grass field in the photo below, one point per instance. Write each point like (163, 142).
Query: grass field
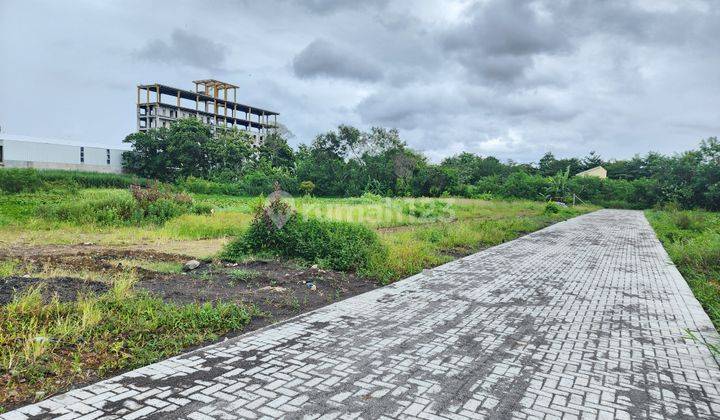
(419, 233)
(47, 343)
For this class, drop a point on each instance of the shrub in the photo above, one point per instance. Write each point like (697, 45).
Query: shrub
(687, 220)
(91, 179)
(366, 198)
(307, 187)
(258, 182)
(203, 186)
(434, 209)
(13, 181)
(552, 208)
(337, 245)
(29, 180)
(142, 206)
(202, 208)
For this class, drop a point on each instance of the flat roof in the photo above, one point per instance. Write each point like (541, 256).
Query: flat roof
(29, 139)
(186, 94)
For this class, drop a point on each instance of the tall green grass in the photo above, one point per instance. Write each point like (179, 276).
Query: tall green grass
(692, 239)
(412, 249)
(118, 207)
(14, 180)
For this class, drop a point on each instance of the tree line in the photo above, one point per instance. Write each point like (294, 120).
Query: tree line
(349, 162)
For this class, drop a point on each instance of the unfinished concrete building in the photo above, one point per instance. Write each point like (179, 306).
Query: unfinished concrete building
(213, 102)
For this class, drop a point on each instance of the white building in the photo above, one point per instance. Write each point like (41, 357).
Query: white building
(40, 153)
(597, 172)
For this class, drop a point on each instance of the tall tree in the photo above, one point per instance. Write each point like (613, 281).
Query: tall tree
(168, 153)
(592, 160)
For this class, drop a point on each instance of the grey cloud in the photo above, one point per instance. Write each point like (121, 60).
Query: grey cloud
(507, 27)
(505, 77)
(185, 48)
(324, 59)
(331, 6)
(410, 107)
(498, 41)
(501, 38)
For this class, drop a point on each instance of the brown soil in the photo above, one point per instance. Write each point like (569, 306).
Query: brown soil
(65, 288)
(194, 248)
(279, 289)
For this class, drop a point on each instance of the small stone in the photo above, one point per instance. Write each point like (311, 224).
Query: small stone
(191, 265)
(314, 266)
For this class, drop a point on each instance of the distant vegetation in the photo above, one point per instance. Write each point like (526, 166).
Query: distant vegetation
(348, 162)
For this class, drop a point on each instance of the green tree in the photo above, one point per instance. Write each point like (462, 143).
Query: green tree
(592, 160)
(169, 153)
(230, 154)
(275, 150)
(307, 187)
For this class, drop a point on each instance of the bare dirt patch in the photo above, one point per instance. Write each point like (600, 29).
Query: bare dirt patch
(65, 288)
(279, 289)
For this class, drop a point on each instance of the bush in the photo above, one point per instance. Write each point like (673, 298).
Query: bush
(433, 209)
(92, 179)
(552, 208)
(13, 181)
(337, 245)
(366, 198)
(522, 185)
(203, 186)
(307, 187)
(202, 208)
(142, 206)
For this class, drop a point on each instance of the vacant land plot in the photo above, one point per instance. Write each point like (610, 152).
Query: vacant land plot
(91, 283)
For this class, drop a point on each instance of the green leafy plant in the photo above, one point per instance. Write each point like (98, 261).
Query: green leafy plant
(307, 187)
(277, 229)
(243, 274)
(552, 208)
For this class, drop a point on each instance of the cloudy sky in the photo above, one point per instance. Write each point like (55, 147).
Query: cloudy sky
(509, 78)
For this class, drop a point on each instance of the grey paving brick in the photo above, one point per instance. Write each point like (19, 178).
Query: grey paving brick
(583, 319)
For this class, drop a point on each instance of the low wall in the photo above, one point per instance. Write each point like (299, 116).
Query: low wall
(66, 166)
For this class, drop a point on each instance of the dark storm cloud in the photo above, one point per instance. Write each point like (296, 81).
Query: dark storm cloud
(186, 48)
(325, 59)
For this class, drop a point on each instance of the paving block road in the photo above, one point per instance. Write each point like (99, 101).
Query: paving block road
(587, 318)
